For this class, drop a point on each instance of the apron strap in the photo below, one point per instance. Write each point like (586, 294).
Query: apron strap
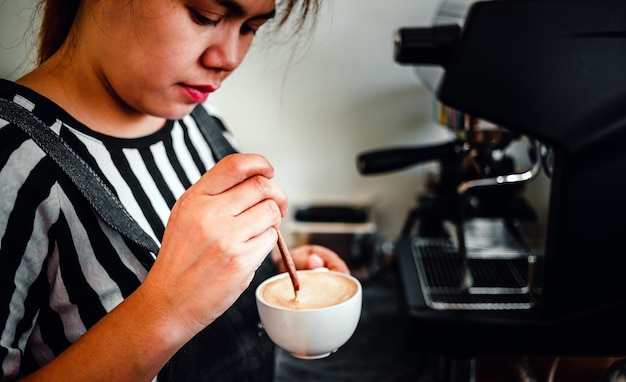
(213, 131)
(101, 198)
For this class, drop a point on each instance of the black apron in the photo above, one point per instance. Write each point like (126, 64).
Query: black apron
(234, 347)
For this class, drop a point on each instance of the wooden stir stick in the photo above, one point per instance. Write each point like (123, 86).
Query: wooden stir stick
(291, 268)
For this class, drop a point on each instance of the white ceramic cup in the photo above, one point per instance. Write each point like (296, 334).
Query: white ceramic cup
(310, 332)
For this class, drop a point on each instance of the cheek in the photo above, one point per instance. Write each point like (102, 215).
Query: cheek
(164, 31)
(148, 74)
(161, 55)
(166, 43)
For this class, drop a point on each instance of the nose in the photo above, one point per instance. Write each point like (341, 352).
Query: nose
(226, 51)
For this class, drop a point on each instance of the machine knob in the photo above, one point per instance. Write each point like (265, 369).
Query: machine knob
(426, 46)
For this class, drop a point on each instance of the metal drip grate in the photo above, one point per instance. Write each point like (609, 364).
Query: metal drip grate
(487, 283)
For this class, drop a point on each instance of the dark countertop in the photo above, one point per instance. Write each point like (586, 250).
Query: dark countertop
(379, 350)
(376, 352)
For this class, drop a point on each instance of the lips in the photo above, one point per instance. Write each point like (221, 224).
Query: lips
(198, 93)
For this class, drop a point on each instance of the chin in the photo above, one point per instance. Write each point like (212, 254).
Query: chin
(173, 112)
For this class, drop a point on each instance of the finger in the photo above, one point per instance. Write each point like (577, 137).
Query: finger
(257, 219)
(232, 170)
(314, 261)
(331, 259)
(261, 245)
(337, 265)
(251, 192)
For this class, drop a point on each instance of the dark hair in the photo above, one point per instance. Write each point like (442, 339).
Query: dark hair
(58, 16)
(56, 22)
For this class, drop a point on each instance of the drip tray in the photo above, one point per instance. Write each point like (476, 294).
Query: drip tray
(495, 282)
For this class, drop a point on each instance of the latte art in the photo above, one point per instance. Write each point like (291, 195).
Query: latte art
(317, 290)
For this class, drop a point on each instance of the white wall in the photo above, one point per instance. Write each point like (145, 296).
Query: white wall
(343, 94)
(17, 34)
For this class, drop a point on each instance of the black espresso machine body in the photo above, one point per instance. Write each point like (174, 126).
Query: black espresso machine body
(556, 70)
(553, 71)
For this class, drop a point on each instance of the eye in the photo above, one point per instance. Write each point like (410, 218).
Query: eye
(248, 29)
(203, 20)
(253, 26)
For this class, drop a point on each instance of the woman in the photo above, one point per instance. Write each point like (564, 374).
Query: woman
(117, 80)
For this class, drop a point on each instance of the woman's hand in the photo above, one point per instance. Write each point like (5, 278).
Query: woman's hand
(311, 257)
(218, 234)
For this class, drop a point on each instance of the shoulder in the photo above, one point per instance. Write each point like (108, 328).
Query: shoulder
(21, 158)
(24, 166)
(18, 151)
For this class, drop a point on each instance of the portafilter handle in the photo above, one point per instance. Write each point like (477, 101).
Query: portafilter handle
(387, 160)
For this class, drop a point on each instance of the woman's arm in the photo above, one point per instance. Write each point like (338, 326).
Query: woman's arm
(218, 234)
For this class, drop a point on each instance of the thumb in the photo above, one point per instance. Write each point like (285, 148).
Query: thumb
(314, 261)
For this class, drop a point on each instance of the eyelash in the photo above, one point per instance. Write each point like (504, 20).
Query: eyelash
(204, 21)
(201, 20)
(246, 29)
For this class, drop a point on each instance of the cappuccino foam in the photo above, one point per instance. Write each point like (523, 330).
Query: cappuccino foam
(317, 290)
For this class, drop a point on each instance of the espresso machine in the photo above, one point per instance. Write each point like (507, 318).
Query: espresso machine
(483, 272)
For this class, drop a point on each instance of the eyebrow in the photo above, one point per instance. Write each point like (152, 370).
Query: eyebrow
(237, 9)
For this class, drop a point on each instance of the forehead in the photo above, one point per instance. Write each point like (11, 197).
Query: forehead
(249, 8)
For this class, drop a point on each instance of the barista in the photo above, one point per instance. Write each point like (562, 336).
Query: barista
(117, 80)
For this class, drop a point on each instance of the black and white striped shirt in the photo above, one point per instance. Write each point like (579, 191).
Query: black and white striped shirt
(61, 267)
